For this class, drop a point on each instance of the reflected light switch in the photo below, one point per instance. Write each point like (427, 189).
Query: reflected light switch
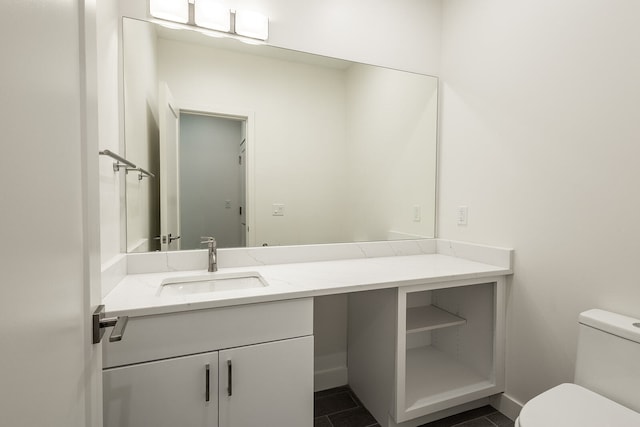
(277, 209)
(417, 213)
(462, 214)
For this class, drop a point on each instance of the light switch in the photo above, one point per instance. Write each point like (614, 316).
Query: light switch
(227, 204)
(462, 214)
(277, 209)
(417, 213)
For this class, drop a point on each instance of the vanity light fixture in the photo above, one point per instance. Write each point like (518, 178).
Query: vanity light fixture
(209, 14)
(171, 10)
(251, 24)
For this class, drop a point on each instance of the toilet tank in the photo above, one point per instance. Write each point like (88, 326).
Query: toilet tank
(608, 357)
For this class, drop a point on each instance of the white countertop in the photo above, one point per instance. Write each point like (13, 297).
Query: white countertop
(138, 294)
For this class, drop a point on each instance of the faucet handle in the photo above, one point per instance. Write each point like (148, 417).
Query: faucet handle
(208, 239)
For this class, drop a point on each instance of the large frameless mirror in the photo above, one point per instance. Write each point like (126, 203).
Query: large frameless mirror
(258, 145)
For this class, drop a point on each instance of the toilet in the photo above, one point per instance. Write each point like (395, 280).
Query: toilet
(606, 391)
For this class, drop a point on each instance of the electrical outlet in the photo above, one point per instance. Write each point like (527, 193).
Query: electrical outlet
(417, 213)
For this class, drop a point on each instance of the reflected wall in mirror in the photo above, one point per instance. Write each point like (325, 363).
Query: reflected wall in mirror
(325, 150)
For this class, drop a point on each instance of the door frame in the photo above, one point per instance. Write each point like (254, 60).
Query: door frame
(249, 119)
(165, 96)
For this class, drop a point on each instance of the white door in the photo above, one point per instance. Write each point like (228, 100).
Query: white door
(267, 384)
(169, 170)
(176, 392)
(50, 372)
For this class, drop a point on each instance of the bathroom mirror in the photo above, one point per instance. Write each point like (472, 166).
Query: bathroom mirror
(257, 145)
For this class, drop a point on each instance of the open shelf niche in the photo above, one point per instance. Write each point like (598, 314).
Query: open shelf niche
(449, 344)
(430, 317)
(428, 348)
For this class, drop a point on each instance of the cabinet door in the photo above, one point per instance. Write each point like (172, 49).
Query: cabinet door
(267, 384)
(166, 393)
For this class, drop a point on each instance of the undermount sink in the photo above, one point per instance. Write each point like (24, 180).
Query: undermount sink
(212, 282)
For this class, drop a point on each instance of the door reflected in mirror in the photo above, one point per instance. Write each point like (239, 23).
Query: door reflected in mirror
(259, 145)
(212, 175)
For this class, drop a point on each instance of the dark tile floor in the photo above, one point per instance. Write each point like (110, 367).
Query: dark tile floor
(340, 407)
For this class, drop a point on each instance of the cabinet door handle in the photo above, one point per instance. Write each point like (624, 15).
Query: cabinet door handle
(207, 380)
(229, 378)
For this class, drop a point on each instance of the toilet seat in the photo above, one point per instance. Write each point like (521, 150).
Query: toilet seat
(572, 405)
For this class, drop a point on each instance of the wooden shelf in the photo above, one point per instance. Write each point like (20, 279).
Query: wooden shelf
(433, 376)
(429, 317)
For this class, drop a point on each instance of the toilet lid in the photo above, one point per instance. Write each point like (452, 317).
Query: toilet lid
(572, 405)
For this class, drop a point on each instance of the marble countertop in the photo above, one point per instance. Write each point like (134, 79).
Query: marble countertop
(138, 294)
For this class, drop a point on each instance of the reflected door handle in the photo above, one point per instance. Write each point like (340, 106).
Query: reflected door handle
(100, 322)
(171, 238)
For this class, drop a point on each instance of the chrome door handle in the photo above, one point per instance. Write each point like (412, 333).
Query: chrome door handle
(207, 382)
(171, 238)
(100, 322)
(229, 378)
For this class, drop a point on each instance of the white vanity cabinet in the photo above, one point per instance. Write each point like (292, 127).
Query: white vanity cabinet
(165, 393)
(437, 346)
(267, 384)
(228, 367)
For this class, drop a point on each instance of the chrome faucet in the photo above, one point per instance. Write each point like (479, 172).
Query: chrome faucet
(213, 253)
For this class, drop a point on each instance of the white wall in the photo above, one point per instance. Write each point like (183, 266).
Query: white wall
(299, 144)
(380, 32)
(209, 175)
(141, 136)
(109, 129)
(539, 138)
(330, 341)
(390, 165)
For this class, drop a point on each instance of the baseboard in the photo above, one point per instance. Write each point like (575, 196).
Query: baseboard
(330, 378)
(507, 405)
